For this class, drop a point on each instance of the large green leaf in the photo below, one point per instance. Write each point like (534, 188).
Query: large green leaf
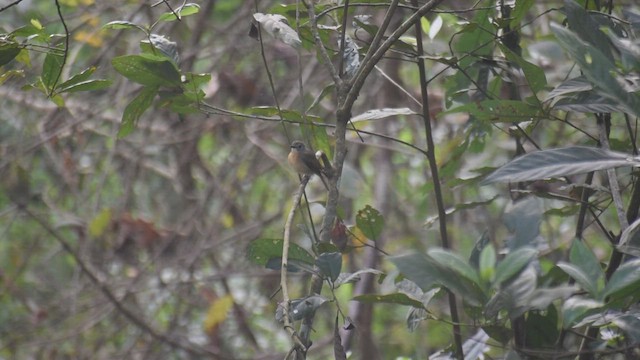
(135, 109)
(625, 279)
(582, 23)
(51, 70)
(597, 68)
(395, 298)
(500, 111)
(532, 73)
(370, 222)
(580, 277)
(523, 221)
(427, 273)
(630, 239)
(261, 251)
(576, 308)
(182, 11)
(148, 70)
(8, 52)
(513, 263)
(559, 162)
(582, 257)
(455, 263)
(330, 264)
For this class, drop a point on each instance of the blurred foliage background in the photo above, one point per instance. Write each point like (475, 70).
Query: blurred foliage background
(135, 246)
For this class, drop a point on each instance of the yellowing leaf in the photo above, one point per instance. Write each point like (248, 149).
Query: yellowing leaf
(36, 24)
(99, 224)
(217, 313)
(93, 39)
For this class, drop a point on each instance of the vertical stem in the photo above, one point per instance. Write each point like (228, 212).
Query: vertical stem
(433, 166)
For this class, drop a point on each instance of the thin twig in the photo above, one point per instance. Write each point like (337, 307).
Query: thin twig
(433, 165)
(283, 270)
(66, 48)
(100, 284)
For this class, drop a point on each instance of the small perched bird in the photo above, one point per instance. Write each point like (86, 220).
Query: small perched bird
(304, 161)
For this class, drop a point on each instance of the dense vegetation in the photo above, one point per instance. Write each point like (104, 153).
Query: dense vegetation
(481, 161)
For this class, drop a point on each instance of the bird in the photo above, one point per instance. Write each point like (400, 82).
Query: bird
(304, 161)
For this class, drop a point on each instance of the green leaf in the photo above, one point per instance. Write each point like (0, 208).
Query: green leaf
(454, 263)
(481, 243)
(8, 52)
(518, 13)
(580, 277)
(487, 263)
(100, 223)
(123, 25)
(624, 279)
(135, 109)
(630, 239)
(427, 274)
(89, 85)
(582, 24)
(513, 263)
(575, 85)
(148, 70)
(290, 115)
(77, 78)
(51, 70)
(6, 75)
(523, 221)
(370, 222)
(395, 298)
(576, 308)
(261, 251)
(330, 264)
(582, 257)
(552, 163)
(499, 111)
(186, 10)
(542, 328)
(533, 74)
(597, 68)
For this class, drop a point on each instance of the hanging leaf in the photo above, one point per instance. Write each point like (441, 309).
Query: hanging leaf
(330, 264)
(135, 109)
(370, 222)
(559, 162)
(277, 26)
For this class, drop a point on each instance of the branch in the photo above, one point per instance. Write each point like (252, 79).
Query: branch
(299, 343)
(369, 62)
(433, 165)
(100, 284)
